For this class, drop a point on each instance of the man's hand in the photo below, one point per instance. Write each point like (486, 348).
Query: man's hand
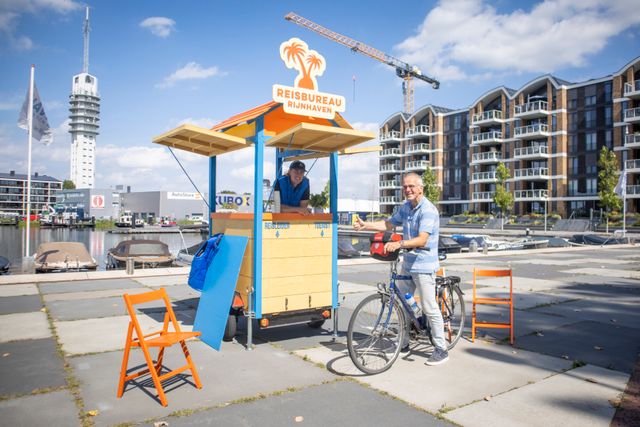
(359, 224)
(392, 246)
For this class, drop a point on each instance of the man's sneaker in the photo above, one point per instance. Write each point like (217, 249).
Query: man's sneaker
(405, 349)
(437, 357)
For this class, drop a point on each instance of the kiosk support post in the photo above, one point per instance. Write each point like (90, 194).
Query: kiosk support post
(212, 190)
(333, 206)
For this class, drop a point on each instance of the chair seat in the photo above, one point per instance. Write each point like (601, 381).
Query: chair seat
(171, 338)
(492, 301)
(481, 324)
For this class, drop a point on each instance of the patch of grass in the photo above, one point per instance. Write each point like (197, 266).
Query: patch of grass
(578, 363)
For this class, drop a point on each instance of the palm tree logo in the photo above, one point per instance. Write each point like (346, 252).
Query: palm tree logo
(310, 64)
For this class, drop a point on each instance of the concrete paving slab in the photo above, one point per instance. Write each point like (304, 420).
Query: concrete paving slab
(20, 304)
(579, 397)
(607, 311)
(29, 365)
(182, 293)
(351, 288)
(596, 288)
(12, 326)
(606, 345)
(228, 375)
(526, 323)
(160, 281)
(494, 369)
(606, 272)
(87, 285)
(55, 409)
(15, 290)
(521, 299)
(108, 333)
(73, 296)
(575, 261)
(97, 307)
(316, 406)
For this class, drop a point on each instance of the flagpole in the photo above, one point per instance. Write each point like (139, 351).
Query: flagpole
(624, 204)
(30, 132)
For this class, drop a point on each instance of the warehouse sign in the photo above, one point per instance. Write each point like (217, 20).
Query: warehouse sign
(183, 195)
(97, 201)
(304, 98)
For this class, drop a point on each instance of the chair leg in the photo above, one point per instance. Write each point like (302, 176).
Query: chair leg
(196, 378)
(473, 323)
(159, 360)
(154, 375)
(125, 361)
(511, 322)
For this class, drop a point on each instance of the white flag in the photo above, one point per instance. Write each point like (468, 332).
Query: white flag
(41, 129)
(621, 186)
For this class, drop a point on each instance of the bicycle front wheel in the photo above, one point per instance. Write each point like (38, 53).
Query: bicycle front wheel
(375, 333)
(453, 314)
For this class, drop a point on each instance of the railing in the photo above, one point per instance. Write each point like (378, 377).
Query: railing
(392, 134)
(541, 106)
(631, 87)
(632, 138)
(390, 152)
(417, 130)
(394, 167)
(485, 176)
(415, 165)
(483, 195)
(487, 116)
(633, 164)
(531, 151)
(531, 173)
(531, 129)
(486, 136)
(531, 194)
(632, 113)
(387, 200)
(394, 183)
(489, 156)
(417, 148)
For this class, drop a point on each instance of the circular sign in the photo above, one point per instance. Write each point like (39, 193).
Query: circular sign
(97, 202)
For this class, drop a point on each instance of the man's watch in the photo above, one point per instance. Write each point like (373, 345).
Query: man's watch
(401, 244)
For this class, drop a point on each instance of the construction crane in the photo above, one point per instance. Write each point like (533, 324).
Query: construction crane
(405, 71)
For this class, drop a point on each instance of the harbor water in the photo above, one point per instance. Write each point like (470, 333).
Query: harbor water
(97, 242)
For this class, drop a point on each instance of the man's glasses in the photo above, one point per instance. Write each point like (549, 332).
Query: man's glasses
(404, 187)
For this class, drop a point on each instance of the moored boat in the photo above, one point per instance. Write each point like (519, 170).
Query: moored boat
(63, 256)
(144, 253)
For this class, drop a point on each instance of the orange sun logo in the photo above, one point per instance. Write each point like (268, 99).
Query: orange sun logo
(310, 64)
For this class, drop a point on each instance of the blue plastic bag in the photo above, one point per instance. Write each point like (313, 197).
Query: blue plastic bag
(201, 260)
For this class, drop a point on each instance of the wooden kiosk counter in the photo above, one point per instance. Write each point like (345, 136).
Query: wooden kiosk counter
(288, 273)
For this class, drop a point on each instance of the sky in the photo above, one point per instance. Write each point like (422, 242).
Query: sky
(163, 63)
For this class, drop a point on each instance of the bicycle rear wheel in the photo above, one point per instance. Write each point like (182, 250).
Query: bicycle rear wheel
(375, 333)
(453, 314)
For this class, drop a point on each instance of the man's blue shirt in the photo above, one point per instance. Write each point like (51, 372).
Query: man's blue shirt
(290, 195)
(423, 218)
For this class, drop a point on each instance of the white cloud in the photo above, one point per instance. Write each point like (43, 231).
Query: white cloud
(159, 26)
(459, 34)
(191, 71)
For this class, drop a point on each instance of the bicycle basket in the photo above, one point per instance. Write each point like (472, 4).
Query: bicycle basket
(377, 246)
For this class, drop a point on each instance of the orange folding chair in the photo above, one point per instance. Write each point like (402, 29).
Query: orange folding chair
(161, 339)
(492, 301)
(441, 272)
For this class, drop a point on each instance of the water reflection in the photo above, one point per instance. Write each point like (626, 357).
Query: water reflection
(98, 242)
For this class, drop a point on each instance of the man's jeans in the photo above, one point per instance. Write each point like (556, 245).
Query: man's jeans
(426, 287)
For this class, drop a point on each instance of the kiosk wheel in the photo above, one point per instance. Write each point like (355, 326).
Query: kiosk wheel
(230, 328)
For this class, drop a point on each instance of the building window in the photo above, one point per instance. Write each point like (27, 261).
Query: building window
(590, 100)
(608, 141)
(592, 186)
(572, 188)
(590, 118)
(572, 103)
(607, 92)
(608, 118)
(591, 141)
(573, 165)
(573, 121)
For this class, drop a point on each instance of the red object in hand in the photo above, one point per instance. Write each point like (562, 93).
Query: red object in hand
(378, 241)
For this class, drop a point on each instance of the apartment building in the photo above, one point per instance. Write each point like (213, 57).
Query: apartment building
(13, 192)
(548, 133)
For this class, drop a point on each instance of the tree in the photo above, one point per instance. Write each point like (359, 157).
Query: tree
(320, 200)
(607, 179)
(503, 198)
(431, 189)
(67, 184)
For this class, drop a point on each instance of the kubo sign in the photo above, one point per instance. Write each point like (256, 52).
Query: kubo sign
(304, 99)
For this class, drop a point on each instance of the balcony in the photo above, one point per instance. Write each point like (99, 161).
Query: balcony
(534, 152)
(389, 184)
(632, 140)
(632, 115)
(482, 196)
(422, 148)
(633, 166)
(393, 167)
(416, 165)
(632, 90)
(493, 137)
(531, 195)
(420, 131)
(633, 191)
(392, 135)
(532, 110)
(389, 200)
(531, 174)
(491, 117)
(388, 153)
(488, 157)
(532, 131)
(484, 177)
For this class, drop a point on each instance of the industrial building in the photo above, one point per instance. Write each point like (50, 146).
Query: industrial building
(549, 134)
(13, 193)
(96, 203)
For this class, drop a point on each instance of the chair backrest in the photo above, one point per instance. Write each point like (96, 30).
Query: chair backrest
(493, 273)
(441, 272)
(160, 294)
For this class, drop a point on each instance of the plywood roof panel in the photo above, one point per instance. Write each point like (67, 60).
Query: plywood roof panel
(195, 139)
(326, 139)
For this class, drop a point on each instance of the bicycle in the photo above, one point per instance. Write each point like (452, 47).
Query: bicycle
(377, 325)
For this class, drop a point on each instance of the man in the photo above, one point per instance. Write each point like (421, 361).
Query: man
(294, 189)
(420, 227)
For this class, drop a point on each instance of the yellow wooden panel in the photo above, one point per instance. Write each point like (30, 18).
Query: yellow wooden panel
(299, 266)
(290, 229)
(296, 302)
(288, 248)
(292, 285)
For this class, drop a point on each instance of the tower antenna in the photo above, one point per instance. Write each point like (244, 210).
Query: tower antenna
(85, 32)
